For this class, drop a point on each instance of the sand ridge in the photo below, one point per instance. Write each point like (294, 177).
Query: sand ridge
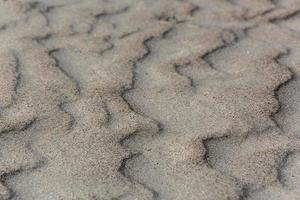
(139, 99)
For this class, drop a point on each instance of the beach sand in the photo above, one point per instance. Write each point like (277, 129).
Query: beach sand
(150, 100)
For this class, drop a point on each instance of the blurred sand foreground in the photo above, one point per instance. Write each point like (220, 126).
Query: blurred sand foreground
(150, 99)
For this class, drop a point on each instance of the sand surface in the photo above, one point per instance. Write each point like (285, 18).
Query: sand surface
(150, 99)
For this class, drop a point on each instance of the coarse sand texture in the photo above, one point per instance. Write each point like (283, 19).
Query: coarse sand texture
(150, 99)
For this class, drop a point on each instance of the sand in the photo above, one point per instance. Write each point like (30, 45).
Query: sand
(149, 100)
